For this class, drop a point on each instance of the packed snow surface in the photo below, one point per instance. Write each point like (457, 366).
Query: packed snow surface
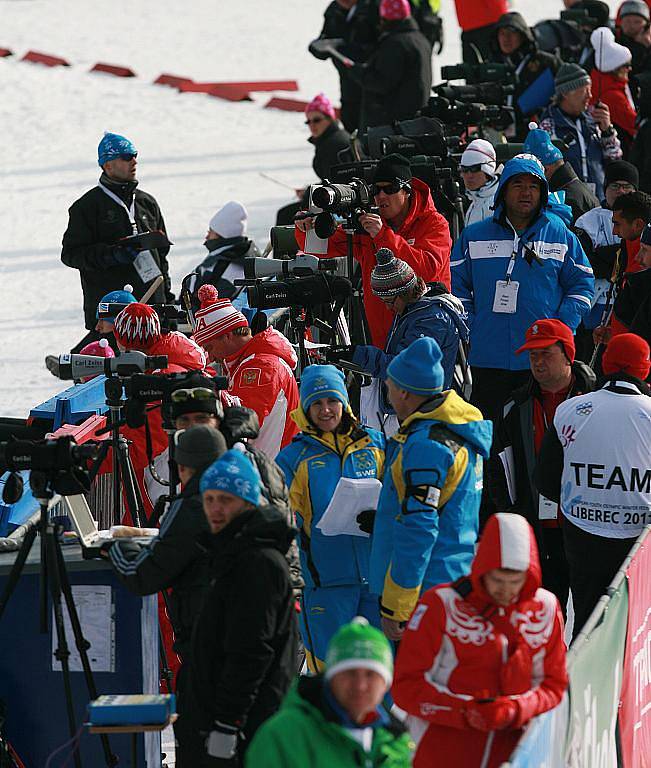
(195, 152)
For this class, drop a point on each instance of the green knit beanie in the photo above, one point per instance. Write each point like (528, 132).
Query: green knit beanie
(359, 645)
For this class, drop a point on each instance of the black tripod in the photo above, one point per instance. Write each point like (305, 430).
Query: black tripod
(53, 576)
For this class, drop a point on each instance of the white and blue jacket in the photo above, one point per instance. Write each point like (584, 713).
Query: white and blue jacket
(554, 275)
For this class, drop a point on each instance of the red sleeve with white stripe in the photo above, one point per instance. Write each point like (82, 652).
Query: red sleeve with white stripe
(413, 690)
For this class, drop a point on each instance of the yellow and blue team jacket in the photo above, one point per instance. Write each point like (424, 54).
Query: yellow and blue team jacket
(428, 514)
(313, 463)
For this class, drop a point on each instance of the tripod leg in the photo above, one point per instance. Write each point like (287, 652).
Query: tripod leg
(17, 567)
(131, 490)
(62, 652)
(82, 644)
(165, 667)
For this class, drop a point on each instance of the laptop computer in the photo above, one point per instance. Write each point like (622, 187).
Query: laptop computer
(84, 524)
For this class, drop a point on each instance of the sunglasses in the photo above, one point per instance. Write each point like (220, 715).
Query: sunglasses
(389, 189)
(470, 168)
(198, 393)
(313, 120)
(127, 158)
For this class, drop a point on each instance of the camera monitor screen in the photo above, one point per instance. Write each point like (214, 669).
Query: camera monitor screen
(82, 519)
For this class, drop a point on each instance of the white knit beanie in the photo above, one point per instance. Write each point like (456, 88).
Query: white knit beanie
(230, 220)
(480, 152)
(609, 55)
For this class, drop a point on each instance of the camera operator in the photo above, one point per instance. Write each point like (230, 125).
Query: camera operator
(227, 246)
(514, 44)
(108, 308)
(408, 224)
(112, 210)
(559, 174)
(354, 23)
(478, 168)
(477, 19)
(260, 368)
(420, 310)
(174, 560)
(590, 135)
(397, 79)
(634, 31)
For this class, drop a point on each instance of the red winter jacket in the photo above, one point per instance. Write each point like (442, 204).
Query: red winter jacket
(423, 241)
(261, 375)
(617, 95)
(472, 14)
(460, 646)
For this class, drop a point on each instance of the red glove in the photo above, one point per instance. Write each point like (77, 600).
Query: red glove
(491, 715)
(515, 675)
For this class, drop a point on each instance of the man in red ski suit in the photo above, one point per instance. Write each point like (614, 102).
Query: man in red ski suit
(408, 224)
(260, 367)
(481, 656)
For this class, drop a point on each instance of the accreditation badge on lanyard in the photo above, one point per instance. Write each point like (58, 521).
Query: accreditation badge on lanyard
(506, 291)
(144, 264)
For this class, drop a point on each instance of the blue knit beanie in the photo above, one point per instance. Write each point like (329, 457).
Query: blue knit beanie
(233, 472)
(539, 143)
(418, 368)
(112, 303)
(322, 381)
(113, 145)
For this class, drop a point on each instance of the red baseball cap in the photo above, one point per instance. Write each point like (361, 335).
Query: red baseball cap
(628, 353)
(545, 333)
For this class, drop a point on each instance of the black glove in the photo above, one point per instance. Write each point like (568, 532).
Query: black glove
(334, 354)
(366, 520)
(122, 255)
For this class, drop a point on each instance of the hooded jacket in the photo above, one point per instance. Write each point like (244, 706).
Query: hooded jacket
(428, 514)
(553, 274)
(224, 264)
(616, 94)
(307, 731)
(313, 465)
(244, 645)
(261, 374)
(440, 316)
(460, 646)
(423, 241)
(481, 202)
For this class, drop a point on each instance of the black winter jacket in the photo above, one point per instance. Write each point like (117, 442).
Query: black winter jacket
(95, 224)
(222, 253)
(326, 148)
(640, 154)
(397, 79)
(516, 430)
(244, 644)
(173, 559)
(577, 194)
(633, 304)
(239, 424)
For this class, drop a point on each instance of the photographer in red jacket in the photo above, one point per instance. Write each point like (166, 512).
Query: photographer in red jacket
(408, 224)
(482, 656)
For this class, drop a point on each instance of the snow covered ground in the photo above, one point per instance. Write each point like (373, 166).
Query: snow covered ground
(196, 152)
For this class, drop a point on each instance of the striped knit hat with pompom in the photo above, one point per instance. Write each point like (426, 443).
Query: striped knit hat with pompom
(391, 276)
(137, 327)
(216, 316)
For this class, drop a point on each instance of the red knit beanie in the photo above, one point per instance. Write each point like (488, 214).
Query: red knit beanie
(216, 316)
(627, 353)
(395, 10)
(137, 326)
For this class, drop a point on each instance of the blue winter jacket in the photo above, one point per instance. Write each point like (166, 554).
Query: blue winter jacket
(428, 515)
(313, 463)
(554, 275)
(599, 149)
(441, 317)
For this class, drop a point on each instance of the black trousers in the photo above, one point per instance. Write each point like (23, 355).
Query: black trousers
(593, 562)
(555, 568)
(191, 748)
(491, 388)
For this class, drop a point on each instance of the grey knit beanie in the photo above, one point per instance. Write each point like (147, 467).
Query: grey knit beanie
(570, 77)
(391, 276)
(199, 446)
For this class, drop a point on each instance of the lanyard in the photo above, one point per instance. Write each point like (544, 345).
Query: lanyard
(131, 211)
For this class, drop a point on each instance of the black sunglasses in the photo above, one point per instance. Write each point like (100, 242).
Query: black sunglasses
(128, 158)
(470, 168)
(389, 189)
(313, 120)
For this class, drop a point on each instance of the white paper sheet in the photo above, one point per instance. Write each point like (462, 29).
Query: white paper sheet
(506, 457)
(96, 615)
(351, 496)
